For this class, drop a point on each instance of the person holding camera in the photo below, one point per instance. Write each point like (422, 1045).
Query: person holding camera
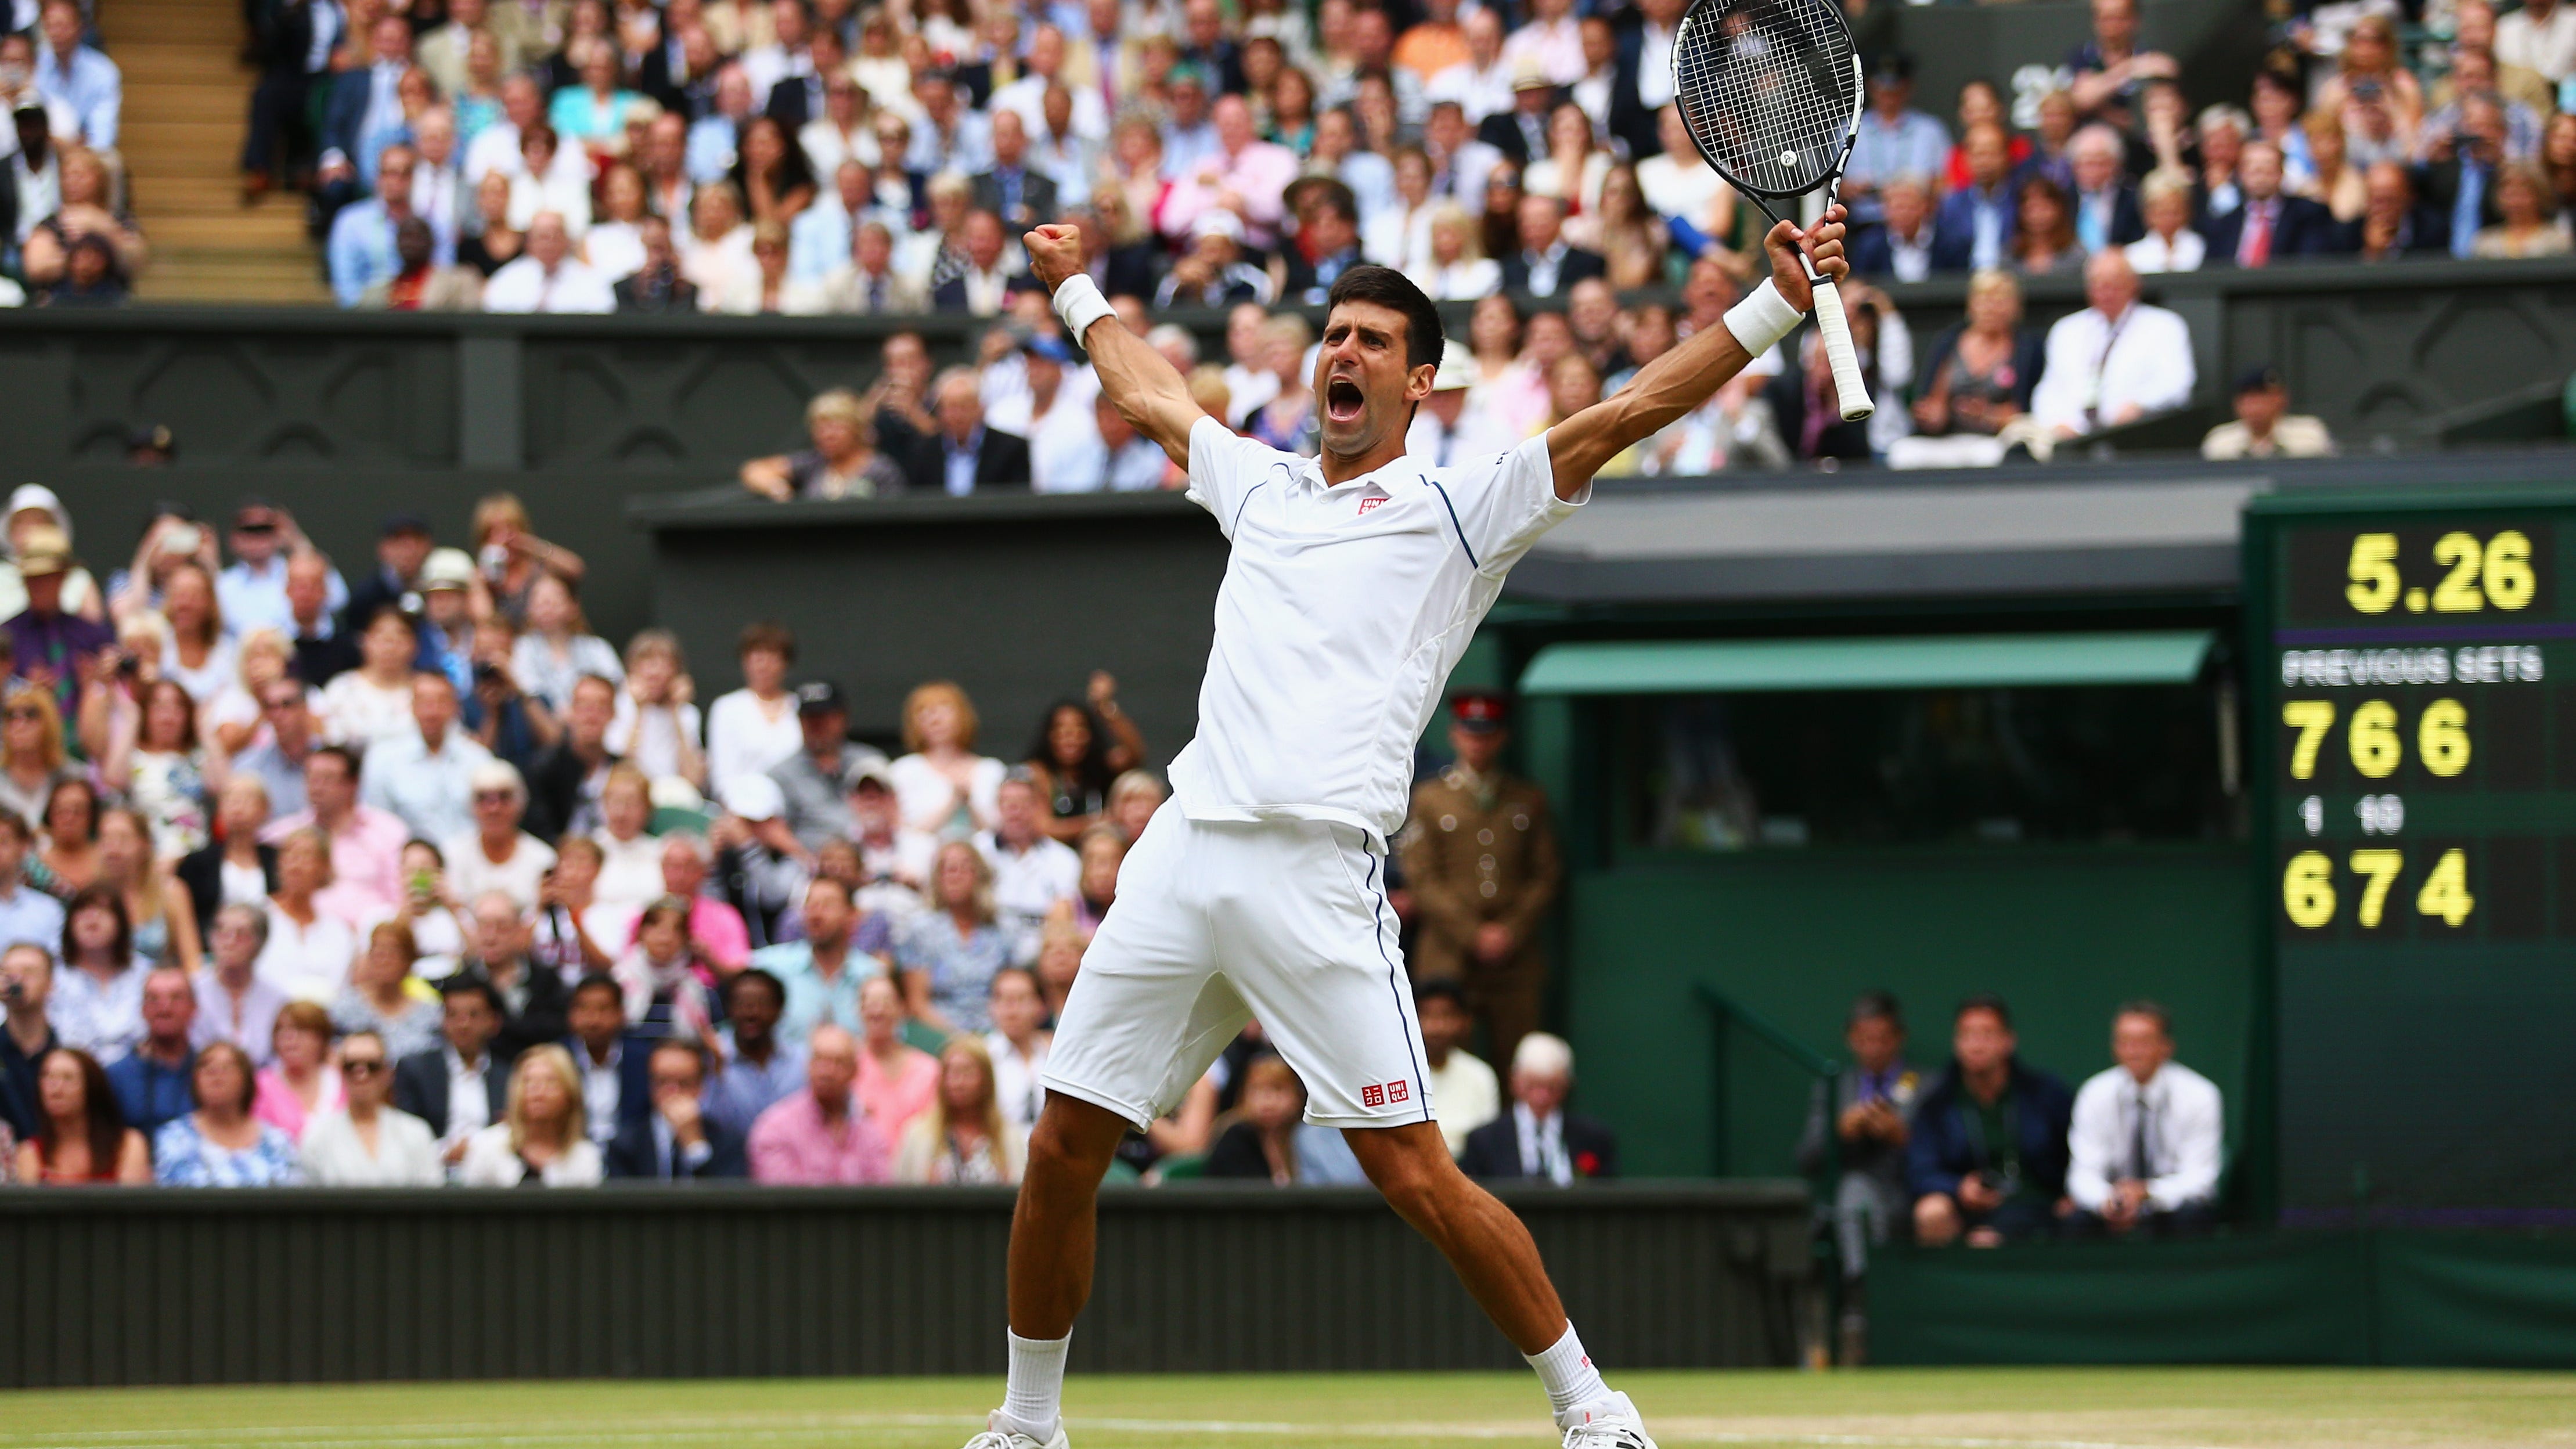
(1986, 1157)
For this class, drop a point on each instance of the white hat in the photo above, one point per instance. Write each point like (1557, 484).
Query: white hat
(446, 568)
(1217, 221)
(1457, 368)
(755, 797)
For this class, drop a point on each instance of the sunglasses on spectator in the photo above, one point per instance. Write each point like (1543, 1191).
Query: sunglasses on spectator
(493, 797)
(283, 701)
(361, 1066)
(674, 1079)
(22, 712)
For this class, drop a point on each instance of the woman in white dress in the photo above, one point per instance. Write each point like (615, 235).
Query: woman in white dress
(373, 701)
(754, 727)
(942, 786)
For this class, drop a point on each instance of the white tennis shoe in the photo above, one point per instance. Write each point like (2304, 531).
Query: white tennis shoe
(998, 1438)
(1613, 1423)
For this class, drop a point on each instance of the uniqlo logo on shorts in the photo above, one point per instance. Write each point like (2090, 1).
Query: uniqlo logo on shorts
(1398, 1091)
(1372, 1095)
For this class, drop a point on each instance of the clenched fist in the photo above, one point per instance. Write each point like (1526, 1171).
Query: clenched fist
(1055, 253)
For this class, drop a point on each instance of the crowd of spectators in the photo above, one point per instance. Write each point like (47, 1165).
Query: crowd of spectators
(403, 876)
(66, 239)
(776, 156)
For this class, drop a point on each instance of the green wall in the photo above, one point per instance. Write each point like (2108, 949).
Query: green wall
(2064, 934)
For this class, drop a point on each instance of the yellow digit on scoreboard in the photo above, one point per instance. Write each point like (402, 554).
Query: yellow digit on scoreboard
(2307, 889)
(2311, 718)
(2381, 866)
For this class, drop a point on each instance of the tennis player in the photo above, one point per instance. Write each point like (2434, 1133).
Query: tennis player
(1259, 888)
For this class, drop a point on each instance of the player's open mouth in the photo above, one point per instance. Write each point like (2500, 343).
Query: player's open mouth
(1343, 400)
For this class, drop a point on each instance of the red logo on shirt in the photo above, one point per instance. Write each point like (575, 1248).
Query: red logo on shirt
(1372, 1095)
(1398, 1091)
(1368, 503)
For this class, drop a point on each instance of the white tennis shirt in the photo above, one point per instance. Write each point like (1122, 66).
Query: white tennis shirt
(1342, 612)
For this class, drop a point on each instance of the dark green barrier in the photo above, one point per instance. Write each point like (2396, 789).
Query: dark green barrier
(112, 1286)
(2425, 1298)
(2389, 352)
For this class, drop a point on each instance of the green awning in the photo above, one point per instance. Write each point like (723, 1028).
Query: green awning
(1982, 661)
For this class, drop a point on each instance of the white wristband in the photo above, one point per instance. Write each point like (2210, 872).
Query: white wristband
(1762, 319)
(1079, 303)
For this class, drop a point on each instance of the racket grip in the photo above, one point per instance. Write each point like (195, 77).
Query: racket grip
(1848, 383)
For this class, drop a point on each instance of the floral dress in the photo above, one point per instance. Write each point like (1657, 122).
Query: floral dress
(182, 1157)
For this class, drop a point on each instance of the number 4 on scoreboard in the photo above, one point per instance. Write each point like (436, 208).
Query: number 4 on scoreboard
(2308, 893)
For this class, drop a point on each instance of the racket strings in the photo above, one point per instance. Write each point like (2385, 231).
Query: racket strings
(1765, 88)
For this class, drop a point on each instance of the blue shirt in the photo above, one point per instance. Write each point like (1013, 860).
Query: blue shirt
(1913, 144)
(361, 250)
(818, 241)
(743, 1089)
(31, 916)
(961, 461)
(256, 598)
(182, 1157)
(711, 146)
(149, 1093)
(813, 1001)
(91, 85)
(2467, 209)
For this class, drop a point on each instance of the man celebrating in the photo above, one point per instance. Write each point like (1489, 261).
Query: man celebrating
(1354, 584)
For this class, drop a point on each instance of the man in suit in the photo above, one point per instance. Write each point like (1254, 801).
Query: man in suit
(461, 1085)
(676, 1140)
(1645, 83)
(1020, 196)
(2391, 224)
(363, 115)
(964, 456)
(616, 1095)
(532, 997)
(1521, 132)
(1864, 1115)
(1902, 247)
(2268, 224)
(1547, 265)
(656, 286)
(1974, 226)
(867, 284)
(982, 286)
(1327, 244)
(2458, 178)
(2106, 206)
(1538, 1139)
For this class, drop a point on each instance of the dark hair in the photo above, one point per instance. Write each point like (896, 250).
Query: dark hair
(104, 1119)
(380, 612)
(429, 845)
(1875, 1006)
(1387, 287)
(470, 984)
(1026, 973)
(2152, 1011)
(1092, 773)
(682, 1046)
(241, 1059)
(1439, 988)
(13, 822)
(348, 759)
(733, 988)
(599, 982)
(106, 898)
(1987, 1001)
(769, 636)
(88, 792)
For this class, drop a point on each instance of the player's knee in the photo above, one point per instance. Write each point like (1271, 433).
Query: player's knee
(1936, 1219)
(1415, 1183)
(1073, 1142)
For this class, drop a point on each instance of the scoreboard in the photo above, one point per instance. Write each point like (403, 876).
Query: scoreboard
(2413, 695)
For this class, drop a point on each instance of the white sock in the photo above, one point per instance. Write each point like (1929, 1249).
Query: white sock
(1567, 1372)
(1033, 1400)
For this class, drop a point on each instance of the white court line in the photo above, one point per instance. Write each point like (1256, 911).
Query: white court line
(476, 1436)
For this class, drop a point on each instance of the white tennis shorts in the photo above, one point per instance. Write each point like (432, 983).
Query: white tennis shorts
(1219, 922)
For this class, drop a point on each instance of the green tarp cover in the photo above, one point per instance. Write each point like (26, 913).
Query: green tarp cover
(1980, 661)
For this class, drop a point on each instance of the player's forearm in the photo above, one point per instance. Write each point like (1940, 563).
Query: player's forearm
(1663, 392)
(1143, 385)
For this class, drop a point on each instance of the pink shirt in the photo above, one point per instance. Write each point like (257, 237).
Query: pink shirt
(793, 1146)
(719, 928)
(1258, 175)
(276, 1104)
(894, 1098)
(366, 862)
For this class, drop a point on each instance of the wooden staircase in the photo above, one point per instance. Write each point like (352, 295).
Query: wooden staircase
(187, 103)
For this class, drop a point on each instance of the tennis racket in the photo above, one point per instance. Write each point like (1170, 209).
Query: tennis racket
(1771, 93)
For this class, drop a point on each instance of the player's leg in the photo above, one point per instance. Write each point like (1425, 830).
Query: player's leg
(1146, 1016)
(1310, 942)
(1494, 1256)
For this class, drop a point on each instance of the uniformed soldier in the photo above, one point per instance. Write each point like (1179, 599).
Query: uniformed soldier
(1480, 853)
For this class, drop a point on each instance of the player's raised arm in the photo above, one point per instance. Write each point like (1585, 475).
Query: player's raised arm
(1668, 388)
(1134, 377)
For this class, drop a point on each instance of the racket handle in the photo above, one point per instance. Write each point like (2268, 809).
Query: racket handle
(1848, 384)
